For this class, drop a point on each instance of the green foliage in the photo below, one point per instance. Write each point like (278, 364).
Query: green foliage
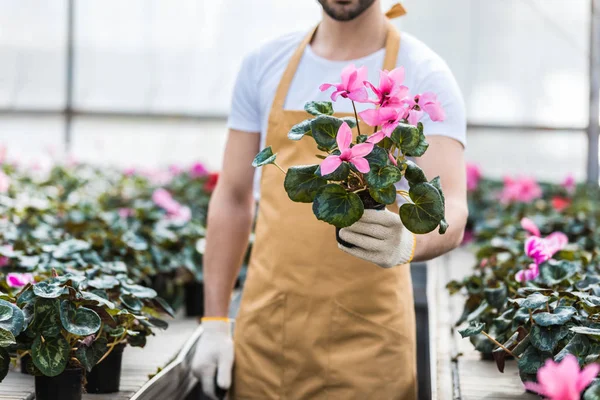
(302, 183)
(264, 157)
(425, 212)
(319, 108)
(334, 205)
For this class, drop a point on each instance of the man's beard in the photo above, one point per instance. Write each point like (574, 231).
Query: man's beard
(339, 12)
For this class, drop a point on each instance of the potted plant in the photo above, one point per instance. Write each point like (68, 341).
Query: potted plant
(362, 173)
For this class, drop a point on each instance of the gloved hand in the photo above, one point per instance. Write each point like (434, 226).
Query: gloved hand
(214, 355)
(380, 238)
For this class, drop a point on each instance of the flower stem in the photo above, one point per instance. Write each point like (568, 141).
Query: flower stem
(281, 169)
(356, 117)
(499, 345)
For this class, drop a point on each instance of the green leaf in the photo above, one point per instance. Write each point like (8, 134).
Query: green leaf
(90, 355)
(299, 130)
(533, 301)
(406, 137)
(4, 363)
(6, 338)
(103, 282)
(334, 205)
(139, 291)
(324, 130)
(474, 328)
(114, 267)
(162, 305)
(579, 346)
(69, 247)
(547, 338)
(593, 392)
(265, 157)
(531, 360)
(560, 316)
(26, 296)
(157, 323)
(50, 355)
(553, 272)
(302, 183)
(6, 312)
(131, 302)
(414, 174)
(98, 299)
(48, 289)
(377, 157)
(386, 195)
(46, 317)
(351, 121)
(435, 182)
(585, 330)
(319, 108)
(426, 211)
(420, 148)
(496, 296)
(380, 177)
(16, 324)
(79, 321)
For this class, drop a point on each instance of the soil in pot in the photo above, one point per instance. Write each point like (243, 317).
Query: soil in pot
(194, 299)
(66, 386)
(369, 204)
(106, 376)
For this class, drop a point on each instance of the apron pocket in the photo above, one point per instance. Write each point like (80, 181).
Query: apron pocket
(258, 369)
(365, 358)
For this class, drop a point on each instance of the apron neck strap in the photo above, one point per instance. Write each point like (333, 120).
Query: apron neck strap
(392, 45)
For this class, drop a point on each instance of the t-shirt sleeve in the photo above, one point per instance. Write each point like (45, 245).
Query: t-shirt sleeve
(244, 114)
(438, 78)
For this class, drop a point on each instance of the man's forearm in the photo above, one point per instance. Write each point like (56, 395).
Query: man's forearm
(229, 226)
(433, 244)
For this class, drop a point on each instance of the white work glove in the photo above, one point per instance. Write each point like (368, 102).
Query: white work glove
(214, 354)
(380, 238)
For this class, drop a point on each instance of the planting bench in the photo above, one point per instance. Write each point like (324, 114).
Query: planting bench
(457, 370)
(168, 350)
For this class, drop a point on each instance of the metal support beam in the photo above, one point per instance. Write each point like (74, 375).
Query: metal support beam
(594, 115)
(68, 111)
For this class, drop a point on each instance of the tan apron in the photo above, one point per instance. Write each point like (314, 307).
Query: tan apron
(316, 323)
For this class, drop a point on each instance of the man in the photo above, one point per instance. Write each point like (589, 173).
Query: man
(319, 320)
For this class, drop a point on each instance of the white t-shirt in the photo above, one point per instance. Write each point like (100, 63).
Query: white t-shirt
(262, 69)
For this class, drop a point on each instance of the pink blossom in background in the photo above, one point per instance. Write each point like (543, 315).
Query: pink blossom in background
(175, 169)
(554, 242)
(564, 380)
(198, 170)
(569, 184)
(536, 249)
(129, 171)
(429, 103)
(5, 260)
(529, 274)
(474, 175)
(352, 85)
(15, 279)
(175, 211)
(354, 155)
(4, 182)
(468, 236)
(390, 92)
(182, 214)
(520, 190)
(530, 227)
(126, 212)
(157, 176)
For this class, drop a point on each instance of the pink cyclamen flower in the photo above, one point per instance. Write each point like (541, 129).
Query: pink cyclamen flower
(564, 380)
(182, 214)
(387, 118)
(164, 200)
(520, 190)
(198, 170)
(352, 85)
(530, 227)
(129, 171)
(354, 155)
(554, 242)
(473, 176)
(15, 279)
(536, 249)
(4, 182)
(5, 260)
(175, 169)
(429, 103)
(569, 184)
(390, 92)
(529, 274)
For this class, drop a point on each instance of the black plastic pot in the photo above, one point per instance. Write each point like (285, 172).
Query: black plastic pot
(369, 204)
(66, 386)
(194, 299)
(106, 376)
(25, 360)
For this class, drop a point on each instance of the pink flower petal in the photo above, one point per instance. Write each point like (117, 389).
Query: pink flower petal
(530, 226)
(344, 137)
(361, 150)
(414, 117)
(587, 375)
(376, 137)
(359, 95)
(555, 242)
(361, 164)
(330, 164)
(325, 86)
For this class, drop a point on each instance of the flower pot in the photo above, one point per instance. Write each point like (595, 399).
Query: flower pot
(194, 299)
(66, 386)
(25, 360)
(106, 376)
(369, 204)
